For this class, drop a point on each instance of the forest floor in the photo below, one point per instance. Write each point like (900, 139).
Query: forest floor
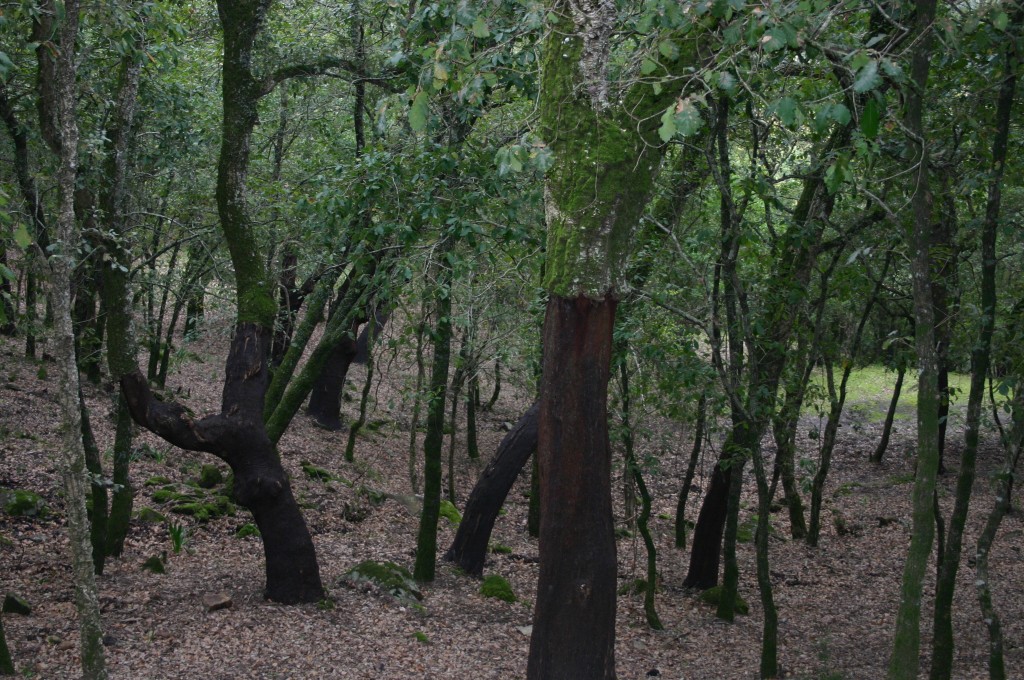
(837, 603)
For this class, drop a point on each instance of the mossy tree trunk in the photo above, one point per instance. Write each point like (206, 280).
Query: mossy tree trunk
(942, 639)
(437, 398)
(121, 355)
(237, 434)
(904, 662)
(72, 459)
(595, 191)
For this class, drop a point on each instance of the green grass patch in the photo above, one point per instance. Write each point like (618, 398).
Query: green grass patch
(869, 385)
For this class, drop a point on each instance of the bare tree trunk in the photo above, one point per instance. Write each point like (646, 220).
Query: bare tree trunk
(469, 549)
(573, 629)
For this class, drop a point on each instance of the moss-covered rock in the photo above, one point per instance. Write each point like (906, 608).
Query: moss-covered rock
(158, 480)
(247, 530)
(210, 476)
(164, 495)
(146, 514)
(388, 577)
(496, 586)
(450, 512)
(713, 596)
(22, 503)
(201, 511)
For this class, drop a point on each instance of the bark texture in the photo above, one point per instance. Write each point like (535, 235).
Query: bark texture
(72, 458)
(904, 662)
(574, 618)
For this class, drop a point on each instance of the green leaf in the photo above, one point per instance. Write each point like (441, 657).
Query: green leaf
(668, 49)
(840, 114)
(773, 40)
(668, 124)
(787, 111)
(688, 119)
(440, 71)
(419, 111)
(480, 28)
(727, 81)
(1001, 21)
(867, 78)
(648, 67)
(869, 119)
(7, 273)
(22, 237)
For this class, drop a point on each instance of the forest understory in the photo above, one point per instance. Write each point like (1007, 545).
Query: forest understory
(837, 603)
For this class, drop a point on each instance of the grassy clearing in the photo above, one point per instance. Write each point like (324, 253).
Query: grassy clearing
(869, 390)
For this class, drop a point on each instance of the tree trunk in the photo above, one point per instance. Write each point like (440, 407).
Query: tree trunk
(417, 402)
(117, 297)
(574, 618)
(691, 468)
(890, 415)
(325, 398)
(236, 436)
(942, 640)
(353, 431)
(904, 663)
(98, 511)
(426, 540)
(469, 549)
(6, 664)
(634, 473)
(72, 458)
(770, 630)
(285, 368)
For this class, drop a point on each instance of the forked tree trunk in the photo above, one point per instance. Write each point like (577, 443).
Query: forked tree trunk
(236, 435)
(574, 618)
(469, 549)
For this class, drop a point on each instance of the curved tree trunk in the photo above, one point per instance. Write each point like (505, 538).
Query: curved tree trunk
(469, 549)
(325, 397)
(237, 434)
